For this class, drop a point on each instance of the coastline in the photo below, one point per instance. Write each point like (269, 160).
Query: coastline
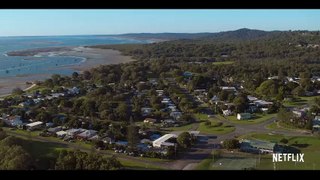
(92, 57)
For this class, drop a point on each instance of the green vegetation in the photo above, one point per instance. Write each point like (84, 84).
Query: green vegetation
(213, 129)
(181, 128)
(300, 101)
(256, 120)
(223, 63)
(281, 126)
(135, 165)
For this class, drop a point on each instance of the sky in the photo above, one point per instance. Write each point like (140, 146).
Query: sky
(89, 22)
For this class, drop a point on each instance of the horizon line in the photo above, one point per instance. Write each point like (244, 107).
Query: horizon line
(8, 36)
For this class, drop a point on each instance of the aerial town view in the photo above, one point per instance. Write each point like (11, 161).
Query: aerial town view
(159, 89)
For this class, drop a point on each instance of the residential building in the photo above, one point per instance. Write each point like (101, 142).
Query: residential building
(257, 146)
(150, 120)
(34, 126)
(13, 121)
(163, 141)
(243, 116)
(87, 134)
(227, 112)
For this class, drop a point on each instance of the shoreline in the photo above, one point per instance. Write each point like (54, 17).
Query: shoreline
(91, 58)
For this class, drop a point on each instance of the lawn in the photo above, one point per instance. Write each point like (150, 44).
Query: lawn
(181, 128)
(22, 132)
(310, 146)
(300, 101)
(200, 116)
(258, 119)
(223, 63)
(213, 129)
(44, 153)
(282, 126)
(134, 165)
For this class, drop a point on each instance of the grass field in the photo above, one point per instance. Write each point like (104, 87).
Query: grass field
(201, 117)
(128, 164)
(257, 120)
(282, 126)
(223, 62)
(181, 128)
(300, 101)
(223, 129)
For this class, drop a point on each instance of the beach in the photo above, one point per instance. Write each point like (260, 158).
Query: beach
(92, 57)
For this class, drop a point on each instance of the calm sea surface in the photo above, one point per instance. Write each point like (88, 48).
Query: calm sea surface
(20, 66)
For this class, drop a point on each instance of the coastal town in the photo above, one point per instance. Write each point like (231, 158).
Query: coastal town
(159, 90)
(161, 117)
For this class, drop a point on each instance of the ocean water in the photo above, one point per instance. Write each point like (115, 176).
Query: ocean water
(21, 66)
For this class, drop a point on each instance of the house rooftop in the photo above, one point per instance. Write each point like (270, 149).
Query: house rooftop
(34, 124)
(258, 144)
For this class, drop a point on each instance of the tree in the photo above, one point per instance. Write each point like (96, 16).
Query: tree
(123, 111)
(77, 160)
(43, 116)
(240, 103)
(223, 95)
(298, 91)
(231, 144)
(17, 91)
(268, 88)
(87, 75)
(284, 116)
(89, 107)
(75, 75)
(284, 141)
(13, 157)
(132, 135)
(3, 134)
(184, 140)
(281, 93)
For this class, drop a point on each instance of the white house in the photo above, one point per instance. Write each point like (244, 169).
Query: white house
(262, 103)
(227, 112)
(273, 77)
(298, 113)
(252, 98)
(160, 142)
(34, 125)
(61, 133)
(243, 116)
(227, 88)
(150, 120)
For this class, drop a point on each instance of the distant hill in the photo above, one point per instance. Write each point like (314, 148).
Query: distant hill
(165, 36)
(240, 34)
(241, 44)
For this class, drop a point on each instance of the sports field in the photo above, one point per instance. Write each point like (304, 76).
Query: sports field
(234, 163)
